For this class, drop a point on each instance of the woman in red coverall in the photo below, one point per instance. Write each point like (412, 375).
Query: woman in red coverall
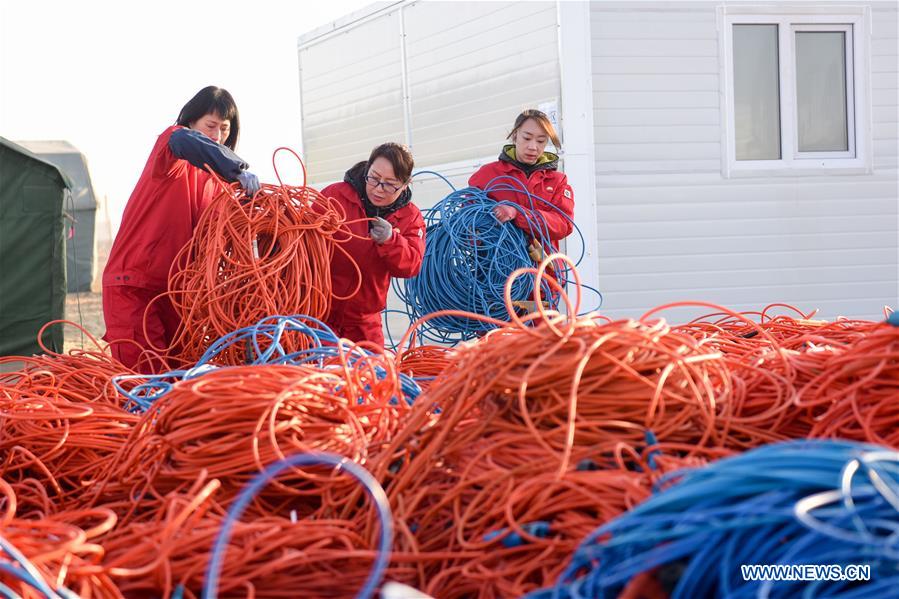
(159, 220)
(390, 243)
(527, 160)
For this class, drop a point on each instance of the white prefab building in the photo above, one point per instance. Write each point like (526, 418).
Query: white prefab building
(740, 153)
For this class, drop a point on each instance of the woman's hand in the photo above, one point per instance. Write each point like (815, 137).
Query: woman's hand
(380, 230)
(504, 212)
(249, 182)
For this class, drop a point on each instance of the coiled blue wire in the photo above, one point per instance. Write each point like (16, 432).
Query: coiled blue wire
(468, 256)
(801, 502)
(263, 341)
(374, 489)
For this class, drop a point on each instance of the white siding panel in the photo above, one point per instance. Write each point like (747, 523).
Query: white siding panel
(886, 148)
(656, 134)
(767, 274)
(884, 64)
(655, 117)
(750, 261)
(885, 24)
(722, 247)
(671, 228)
(655, 48)
(883, 47)
(883, 97)
(655, 65)
(351, 91)
(885, 100)
(739, 193)
(640, 29)
(674, 15)
(759, 209)
(885, 80)
(625, 99)
(669, 165)
(737, 225)
(656, 90)
(635, 82)
(472, 67)
(657, 151)
(885, 114)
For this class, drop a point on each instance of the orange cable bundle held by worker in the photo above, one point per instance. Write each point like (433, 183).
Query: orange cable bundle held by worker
(159, 219)
(253, 257)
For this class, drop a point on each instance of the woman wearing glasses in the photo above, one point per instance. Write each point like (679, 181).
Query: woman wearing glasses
(533, 168)
(388, 240)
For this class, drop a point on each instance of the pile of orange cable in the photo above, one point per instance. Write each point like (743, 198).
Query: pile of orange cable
(250, 258)
(524, 441)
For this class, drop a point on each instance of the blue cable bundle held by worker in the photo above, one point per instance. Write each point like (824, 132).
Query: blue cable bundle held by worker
(471, 251)
(468, 258)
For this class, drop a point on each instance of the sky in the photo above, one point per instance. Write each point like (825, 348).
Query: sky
(109, 77)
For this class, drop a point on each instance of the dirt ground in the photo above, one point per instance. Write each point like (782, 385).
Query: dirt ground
(85, 309)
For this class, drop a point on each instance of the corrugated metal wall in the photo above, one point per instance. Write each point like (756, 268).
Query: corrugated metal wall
(672, 228)
(471, 67)
(351, 95)
(884, 87)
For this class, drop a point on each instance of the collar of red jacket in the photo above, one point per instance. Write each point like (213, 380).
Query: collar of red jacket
(547, 161)
(356, 178)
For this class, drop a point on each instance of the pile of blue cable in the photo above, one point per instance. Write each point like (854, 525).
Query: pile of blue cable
(825, 512)
(469, 254)
(263, 345)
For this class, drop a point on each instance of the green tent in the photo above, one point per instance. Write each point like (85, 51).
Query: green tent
(82, 208)
(32, 250)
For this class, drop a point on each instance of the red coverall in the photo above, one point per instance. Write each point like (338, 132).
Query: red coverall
(159, 220)
(359, 317)
(545, 181)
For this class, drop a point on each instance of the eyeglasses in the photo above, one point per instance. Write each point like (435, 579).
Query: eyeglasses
(374, 182)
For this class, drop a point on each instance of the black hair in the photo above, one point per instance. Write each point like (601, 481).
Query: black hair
(212, 99)
(400, 159)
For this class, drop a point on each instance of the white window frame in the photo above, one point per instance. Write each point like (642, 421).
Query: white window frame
(846, 29)
(855, 21)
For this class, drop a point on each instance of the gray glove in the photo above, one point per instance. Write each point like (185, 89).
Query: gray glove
(249, 182)
(380, 230)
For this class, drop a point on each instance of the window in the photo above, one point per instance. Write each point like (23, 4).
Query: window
(794, 90)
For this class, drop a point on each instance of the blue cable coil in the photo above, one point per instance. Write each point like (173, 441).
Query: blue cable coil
(375, 492)
(813, 502)
(469, 254)
(263, 341)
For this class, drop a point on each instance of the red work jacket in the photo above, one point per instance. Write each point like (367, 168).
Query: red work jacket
(159, 219)
(545, 182)
(359, 317)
